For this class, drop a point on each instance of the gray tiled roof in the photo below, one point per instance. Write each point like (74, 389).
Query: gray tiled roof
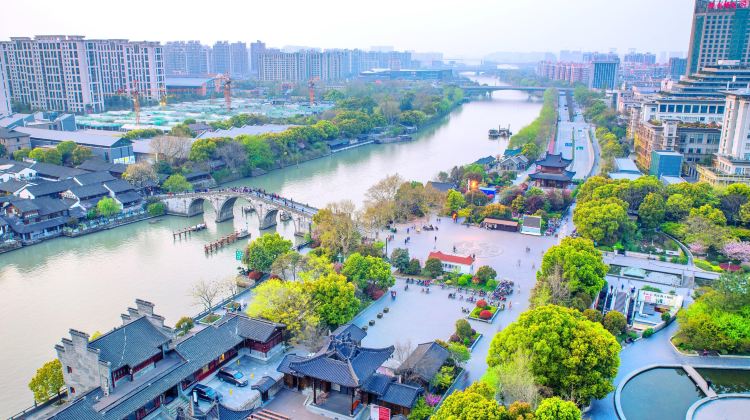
(130, 344)
(264, 384)
(129, 197)
(39, 226)
(331, 370)
(343, 363)
(48, 205)
(257, 329)
(12, 185)
(553, 160)
(87, 191)
(425, 361)
(287, 360)
(49, 188)
(357, 334)
(119, 186)
(564, 176)
(11, 134)
(48, 170)
(401, 394)
(25, 205)
(96, 165)
(377, 383)
(93, 178)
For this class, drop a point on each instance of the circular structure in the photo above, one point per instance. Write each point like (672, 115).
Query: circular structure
(726, 407)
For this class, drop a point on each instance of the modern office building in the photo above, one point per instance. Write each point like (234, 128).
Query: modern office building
(603, 73)
(732, 162)
(677, 67)
(696, 142)
(665, 163)
(719, 33)
(187, 58)
(256, 49)
(70, 73)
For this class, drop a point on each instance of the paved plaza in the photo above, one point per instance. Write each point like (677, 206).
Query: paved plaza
(417, 317)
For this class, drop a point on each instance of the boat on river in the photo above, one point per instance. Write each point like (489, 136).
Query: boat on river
(398, 139)
(243, 233)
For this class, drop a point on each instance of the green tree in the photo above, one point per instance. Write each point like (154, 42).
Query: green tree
(81, 154)
(485, 273)
(365, 270)
(677, 207)
(474, 403)
(420, 411)
(264, 250)
(21, 154)
(432, 268)
(334, 226)
(107, 207)
(454, 201)
(334, 299)
(556, 408)
(140, 174)
(414, 268)
(745, 213)
(400, 259)
(710, 213)
(287, 302)
(66, 150)
(651, 211)
(459, 353)
(593, 315)
(464, 330)
(184, 325)
(177, 183)
(615, 322)
(575, 358)
(47, 382)
(604, 221)
(515, 381)
(578, 262)
(291, 264)
(202, 150)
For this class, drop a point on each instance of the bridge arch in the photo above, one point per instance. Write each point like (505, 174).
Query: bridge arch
(196, 206)
(225, 209)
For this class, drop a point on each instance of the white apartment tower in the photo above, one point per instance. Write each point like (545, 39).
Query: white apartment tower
(72, 74)
(735, 133)
(4, 94)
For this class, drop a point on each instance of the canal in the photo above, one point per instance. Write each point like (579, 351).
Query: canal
(85, 283)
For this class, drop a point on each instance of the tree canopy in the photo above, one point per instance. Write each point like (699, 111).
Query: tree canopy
(47, 381)
(366, 270)
(576, 358)
(264, 250)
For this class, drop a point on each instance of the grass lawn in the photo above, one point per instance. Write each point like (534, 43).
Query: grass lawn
(475, 312)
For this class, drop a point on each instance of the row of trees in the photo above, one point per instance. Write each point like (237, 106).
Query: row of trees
(542, 128)
(65, 153)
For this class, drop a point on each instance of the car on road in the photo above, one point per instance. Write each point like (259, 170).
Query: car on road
(206, 393)
(232, 376)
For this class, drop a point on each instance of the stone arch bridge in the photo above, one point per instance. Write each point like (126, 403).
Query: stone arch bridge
(268, 207)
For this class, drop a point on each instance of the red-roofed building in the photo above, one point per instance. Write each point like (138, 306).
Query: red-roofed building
(464, 265)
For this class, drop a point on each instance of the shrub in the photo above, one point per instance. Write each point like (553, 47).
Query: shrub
(485, 314)
(648, 332)
(486, 273)
(462, 281)
(481, 303)
(184, 324)
(665, 316)
(615, 322)
(491, 284)
(374, 292)
(156, 209)
(476, 280)
(255, 275)
(707, 266)
(413, 268)
(593, 315)
(454, 338)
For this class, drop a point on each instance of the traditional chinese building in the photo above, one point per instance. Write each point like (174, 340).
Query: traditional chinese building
(551, 172)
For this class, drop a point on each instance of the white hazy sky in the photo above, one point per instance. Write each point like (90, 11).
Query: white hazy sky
(468, 28)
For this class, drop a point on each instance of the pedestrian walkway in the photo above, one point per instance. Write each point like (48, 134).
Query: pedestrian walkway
(699, 381)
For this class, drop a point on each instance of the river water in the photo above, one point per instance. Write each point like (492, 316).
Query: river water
(86, 283)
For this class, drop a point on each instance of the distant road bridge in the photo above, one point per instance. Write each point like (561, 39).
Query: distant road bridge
(489, 89)
(267, 206)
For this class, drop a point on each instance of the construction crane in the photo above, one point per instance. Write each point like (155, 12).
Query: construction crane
(163, 97)
(311, 89)
(226, 83)
(135, 95)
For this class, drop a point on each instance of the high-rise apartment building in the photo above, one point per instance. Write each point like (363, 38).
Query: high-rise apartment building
(256, 49)
(186, 58)
(222, 57)
(73, 74)
(732, 161)
(239, 60)
(301, 65)
(719, 32)
(5, 108)
(639, 58)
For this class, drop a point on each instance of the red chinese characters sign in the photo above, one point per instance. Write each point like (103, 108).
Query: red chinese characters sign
(722, 5)
(379, 413)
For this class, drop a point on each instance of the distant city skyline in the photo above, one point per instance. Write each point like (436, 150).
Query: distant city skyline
(476, 29)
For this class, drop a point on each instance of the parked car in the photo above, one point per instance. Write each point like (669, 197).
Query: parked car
(206, 393)
(232, 376)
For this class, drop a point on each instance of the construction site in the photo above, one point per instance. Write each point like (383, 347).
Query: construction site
(207, 110)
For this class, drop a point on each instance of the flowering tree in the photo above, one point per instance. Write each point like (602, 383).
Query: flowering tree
(737, 251)
(697, 248)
